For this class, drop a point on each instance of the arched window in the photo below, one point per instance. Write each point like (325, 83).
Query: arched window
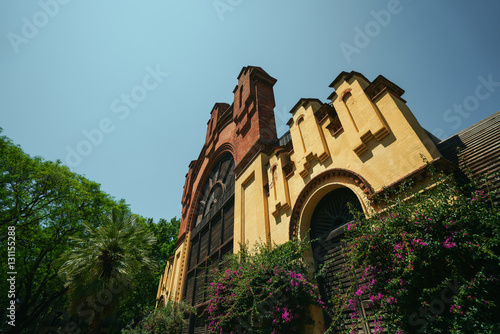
(350, 103)
(212, 235)
(330, 217)
(241, 97)
(300, 125)
(274, 175)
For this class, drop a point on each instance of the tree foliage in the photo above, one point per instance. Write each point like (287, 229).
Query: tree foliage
(142, 299)
(46, 203)
(430, 262)
(52, 209)
(168, 319)
(104, 262)
(166, 233)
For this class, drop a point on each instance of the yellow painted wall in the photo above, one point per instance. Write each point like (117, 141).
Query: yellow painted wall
(251, 215)
(171, 285)
(393, 139)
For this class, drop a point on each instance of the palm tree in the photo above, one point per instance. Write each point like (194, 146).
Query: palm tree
(100, 269)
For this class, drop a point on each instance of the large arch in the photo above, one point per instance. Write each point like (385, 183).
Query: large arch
(328, 221)
(317, 188)
(211, 225)
(330, 216)
(223, 150)
(329, 191)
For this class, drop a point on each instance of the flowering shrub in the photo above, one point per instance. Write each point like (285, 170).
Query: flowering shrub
(264, 292)
(168, 319)
(429, 264)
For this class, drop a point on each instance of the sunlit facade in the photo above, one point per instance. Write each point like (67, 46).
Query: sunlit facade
(249, 185)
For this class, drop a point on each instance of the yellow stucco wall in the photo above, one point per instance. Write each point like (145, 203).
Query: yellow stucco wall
(172, 282)
(393, 155)
(251, 214)
(380, 140)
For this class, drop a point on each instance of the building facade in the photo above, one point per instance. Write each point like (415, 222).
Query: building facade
(248, 185)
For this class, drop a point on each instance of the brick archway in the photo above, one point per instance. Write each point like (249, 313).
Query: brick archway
(337, 174)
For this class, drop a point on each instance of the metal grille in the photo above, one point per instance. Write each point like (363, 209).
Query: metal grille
(193, 255)
(188, 295)
(228, 222)
(204, 235)
(215, 237)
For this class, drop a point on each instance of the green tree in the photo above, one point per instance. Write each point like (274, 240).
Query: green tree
(166, 233)
(104, 263)
(142, 299)
(45, 203)
(169, 319)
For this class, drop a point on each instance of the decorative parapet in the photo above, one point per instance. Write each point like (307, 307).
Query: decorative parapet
(307, 135)
(357, 110)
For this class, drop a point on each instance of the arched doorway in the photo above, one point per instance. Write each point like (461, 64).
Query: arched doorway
(328, 222)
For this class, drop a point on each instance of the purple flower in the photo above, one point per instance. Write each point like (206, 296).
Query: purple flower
(448, 243)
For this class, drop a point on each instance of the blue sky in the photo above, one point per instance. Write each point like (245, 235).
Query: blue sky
(147, 73)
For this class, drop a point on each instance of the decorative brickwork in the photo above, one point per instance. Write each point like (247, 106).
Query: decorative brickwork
(244, 129)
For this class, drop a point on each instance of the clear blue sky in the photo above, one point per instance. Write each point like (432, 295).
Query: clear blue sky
(72, 66)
